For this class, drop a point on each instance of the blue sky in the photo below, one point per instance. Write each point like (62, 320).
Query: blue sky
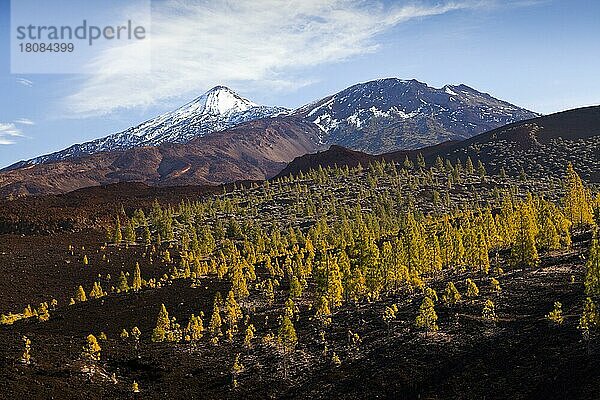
(542, 55)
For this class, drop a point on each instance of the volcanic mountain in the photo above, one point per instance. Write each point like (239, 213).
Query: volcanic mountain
(216, 110)
(254, 150)
(393, 114)
(222, 137)
(540, 147)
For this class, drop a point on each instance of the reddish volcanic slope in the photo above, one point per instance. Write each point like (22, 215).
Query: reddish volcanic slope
(252, 151)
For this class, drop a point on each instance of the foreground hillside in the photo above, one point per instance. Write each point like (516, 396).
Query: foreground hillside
(374, 282)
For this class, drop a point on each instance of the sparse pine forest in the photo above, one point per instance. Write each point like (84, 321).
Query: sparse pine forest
(334, 275)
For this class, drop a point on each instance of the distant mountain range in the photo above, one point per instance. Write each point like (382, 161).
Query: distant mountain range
(221, 137)
(541, 147)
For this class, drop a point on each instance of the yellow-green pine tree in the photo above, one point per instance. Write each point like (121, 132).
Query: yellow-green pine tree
(91, 350)
(427, 317)
(80, 295)
(577, 201)
(472, 289)
(137, 278)
(489, 311)
(163, 325)
(592, 276)
(287, 339)
(451, 295)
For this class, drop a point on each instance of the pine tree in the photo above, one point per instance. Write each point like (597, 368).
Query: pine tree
(96, 291)
(323, 312)
(290, 308)
(432, 294)
(130, 234)
(482, 257)
(91, 350)
(472, 289)
(592, 276)
(163, 325)
(427, 318)
(420, 161)
(123, 285)
(250, 331)
(42, 312)
(481, 169)
(577, 201)
(85, 260)
(233, 312)
(287, 339)
(124, 334)
(238, 279)
(136, 333)
(438, 164)
(214, 326)
(469, 168)
(295, 289)
(135, 388)
(524, 251)
(236, 369)
(489, 311)
(495, 285)
(407, 163)
(80, 295)
(137, 278)
(451, 295)
(195, 328)
(389, 314)
(147, 236)
(117, 235)
(335, 289)
(589, 318)
(556, 315)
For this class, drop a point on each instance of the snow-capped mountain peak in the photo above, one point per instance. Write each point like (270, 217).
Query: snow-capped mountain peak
(220, 100)
(218, 109)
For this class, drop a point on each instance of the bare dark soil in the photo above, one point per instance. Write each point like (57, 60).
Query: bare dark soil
(521, 356)
(90, 207)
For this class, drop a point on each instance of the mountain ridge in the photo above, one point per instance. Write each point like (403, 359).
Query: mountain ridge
(381, 115)
(393, 114)
(221, 137)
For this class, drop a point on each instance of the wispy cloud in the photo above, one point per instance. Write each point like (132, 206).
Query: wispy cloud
(24, 121)
(25, 82)
(198, 44)
(8, 132)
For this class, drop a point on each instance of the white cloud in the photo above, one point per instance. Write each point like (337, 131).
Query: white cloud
(199, 44)
(24, 121)
(25, 82)
(8, 131)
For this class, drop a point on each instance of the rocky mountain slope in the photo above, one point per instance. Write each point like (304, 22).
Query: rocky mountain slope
(254, 150)
(540, 147)
(392, 114)
(216, 110)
